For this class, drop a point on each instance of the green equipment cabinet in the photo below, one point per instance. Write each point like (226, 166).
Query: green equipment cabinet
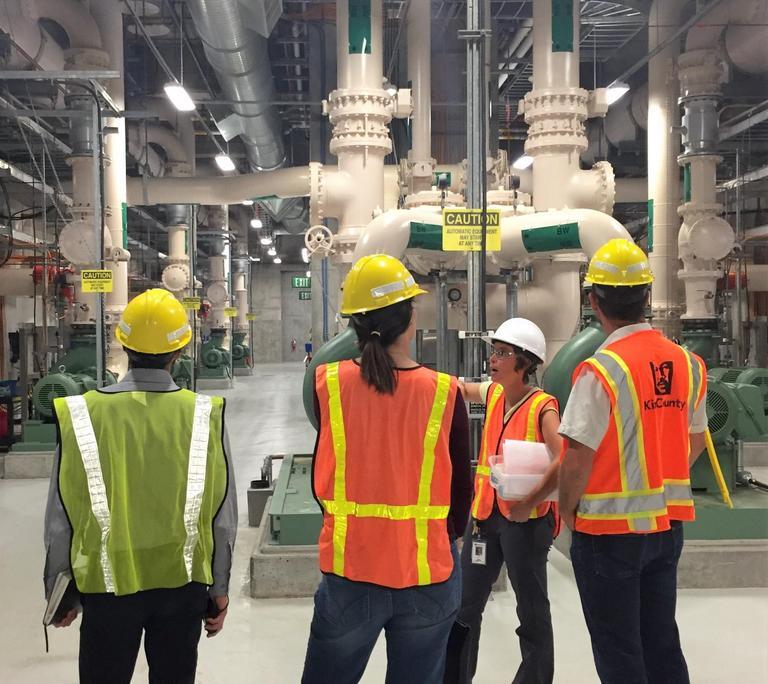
(295, 518)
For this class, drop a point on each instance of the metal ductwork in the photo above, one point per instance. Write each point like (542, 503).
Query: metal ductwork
(239, 57)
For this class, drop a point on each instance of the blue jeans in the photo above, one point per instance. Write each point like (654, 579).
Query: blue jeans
(628, 589)
(349, 616)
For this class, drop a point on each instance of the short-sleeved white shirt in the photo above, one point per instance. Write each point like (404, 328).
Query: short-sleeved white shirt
(588, 411)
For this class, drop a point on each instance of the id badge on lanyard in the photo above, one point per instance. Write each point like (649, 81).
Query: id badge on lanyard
(479, 546)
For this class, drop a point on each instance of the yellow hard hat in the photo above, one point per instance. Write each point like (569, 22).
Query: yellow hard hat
(154, 323)
(619, 262)
(377, 281)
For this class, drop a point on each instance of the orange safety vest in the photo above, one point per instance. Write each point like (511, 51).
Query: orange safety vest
(523, 424)
(640, 478)
(382, 474)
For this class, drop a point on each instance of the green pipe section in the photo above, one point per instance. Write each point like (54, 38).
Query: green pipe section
(340, 348)
(551, 238)
(426, 236)
(359, 27)
(562, 25)
(557, 378)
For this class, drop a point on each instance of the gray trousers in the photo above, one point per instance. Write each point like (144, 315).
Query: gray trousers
(524, 548)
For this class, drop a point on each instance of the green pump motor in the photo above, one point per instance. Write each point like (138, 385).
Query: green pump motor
(213, 353)
(241, 353)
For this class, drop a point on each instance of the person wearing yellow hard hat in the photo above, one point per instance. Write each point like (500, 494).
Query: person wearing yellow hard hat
(142, 509)
(634, 423)
(392, 475)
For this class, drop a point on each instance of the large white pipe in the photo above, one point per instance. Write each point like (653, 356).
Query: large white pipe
(145, 156)
(158, 134)
(663, 170)
(18, 20)
(419, 37)
(74, 18)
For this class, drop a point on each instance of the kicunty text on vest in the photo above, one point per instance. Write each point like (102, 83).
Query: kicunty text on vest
(652, 404)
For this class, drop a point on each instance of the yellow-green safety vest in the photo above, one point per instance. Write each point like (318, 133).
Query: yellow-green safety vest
(142, 475)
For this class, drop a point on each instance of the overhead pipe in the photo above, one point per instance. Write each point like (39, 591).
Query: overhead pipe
(419, 41)
(19, 21)
(75, 18)
(240, 59)
(146, 157)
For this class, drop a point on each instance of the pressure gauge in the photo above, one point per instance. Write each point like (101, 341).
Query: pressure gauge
(454, 294)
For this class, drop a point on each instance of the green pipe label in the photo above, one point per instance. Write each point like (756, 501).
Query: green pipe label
(562, 25)
(124, 214)
(687, 183)
(552, 238)
(436, 177)
(359, 27)
(650, 226)
(426, 236)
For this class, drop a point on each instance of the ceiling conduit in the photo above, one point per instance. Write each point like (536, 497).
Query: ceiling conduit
(239, 57)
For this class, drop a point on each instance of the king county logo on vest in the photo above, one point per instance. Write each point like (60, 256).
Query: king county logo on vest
(662, 377)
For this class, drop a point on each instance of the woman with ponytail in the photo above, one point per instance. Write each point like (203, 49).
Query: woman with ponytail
(392, 474)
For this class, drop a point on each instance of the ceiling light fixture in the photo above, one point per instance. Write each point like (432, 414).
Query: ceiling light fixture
(179, 97)
(616, 91)
(247, 202)
(224, 162)
(266, 240)
(271, 251)
(309, 274)
(522, 162)
(277, 260)
(256, 223)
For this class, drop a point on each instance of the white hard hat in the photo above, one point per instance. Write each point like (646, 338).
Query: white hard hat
(522, 333)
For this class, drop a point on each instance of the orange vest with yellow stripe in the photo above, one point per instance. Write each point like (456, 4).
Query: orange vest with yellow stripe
(640, 475)
(524, 424)
(382, 474)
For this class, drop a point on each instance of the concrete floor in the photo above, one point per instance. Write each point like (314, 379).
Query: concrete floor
(724, 632)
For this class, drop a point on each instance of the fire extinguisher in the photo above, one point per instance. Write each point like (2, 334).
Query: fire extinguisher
(293, 345)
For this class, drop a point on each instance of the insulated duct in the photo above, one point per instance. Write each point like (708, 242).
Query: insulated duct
(239, 57)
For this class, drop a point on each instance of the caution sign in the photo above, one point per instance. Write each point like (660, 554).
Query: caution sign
(250, 317)
(230, 312)
(463, 230)
(191, 303)
(96, 280)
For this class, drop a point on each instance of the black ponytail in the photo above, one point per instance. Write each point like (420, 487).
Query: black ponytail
(376, 331)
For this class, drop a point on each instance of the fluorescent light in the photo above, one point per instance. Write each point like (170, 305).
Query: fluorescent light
(247, 203)
(162, 256)
(179, 97)
(305, 255)
(224, 162)
(523, 162)
(256, 223)
(256, 259)
(266, 240)
(309, 274)
(616, 91)
(277, 260)
(271, 251)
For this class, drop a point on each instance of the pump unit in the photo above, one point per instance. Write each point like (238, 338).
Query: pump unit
(214, 357)
(241, 354)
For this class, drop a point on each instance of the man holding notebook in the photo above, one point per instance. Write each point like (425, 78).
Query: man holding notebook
(142, 508)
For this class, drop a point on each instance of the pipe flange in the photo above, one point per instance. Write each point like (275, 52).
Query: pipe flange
(433, 198)
(176, 277)
(701, 72)
(86, 59)
(607, 185)
(556, 103)
(693, 211)
(317, 194)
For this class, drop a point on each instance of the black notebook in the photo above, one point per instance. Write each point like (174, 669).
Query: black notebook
(64, 597)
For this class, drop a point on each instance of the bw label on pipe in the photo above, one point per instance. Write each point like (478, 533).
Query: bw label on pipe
(230, 312)
(96, 280)
(463, 230)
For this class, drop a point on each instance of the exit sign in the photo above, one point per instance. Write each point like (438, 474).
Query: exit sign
(301, 282)
(305, 295)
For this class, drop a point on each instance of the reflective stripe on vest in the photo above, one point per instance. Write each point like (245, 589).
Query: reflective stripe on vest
(483, 470)
(82, 427)
(198, 461)
(637, 502)
(89, 453)
(421, 513)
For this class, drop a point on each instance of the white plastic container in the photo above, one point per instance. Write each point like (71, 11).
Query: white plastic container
(514, 486)
(525, 458)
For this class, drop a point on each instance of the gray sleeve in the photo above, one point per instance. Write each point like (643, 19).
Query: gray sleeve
(57, 534)
(225, 530)
(587, 413)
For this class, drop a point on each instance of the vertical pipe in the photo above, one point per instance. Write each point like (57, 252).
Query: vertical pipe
(192, 209)
(476, 180)
(441, 301)
(419, 37)
(98, 223)
(510, 281)
(663, 169)
(738, 346)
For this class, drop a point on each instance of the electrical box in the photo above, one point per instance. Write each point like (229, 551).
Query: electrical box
(295, 517)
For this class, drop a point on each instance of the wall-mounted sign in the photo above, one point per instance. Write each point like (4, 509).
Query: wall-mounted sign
(191, 303)
(305, 295)
(250, 317)
(96, 280)
(230, 312)
(301, 282)
(463, 230)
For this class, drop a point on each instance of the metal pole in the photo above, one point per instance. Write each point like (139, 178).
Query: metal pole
(98, 227)
(441, 281)
(511, 284)
(738, 345)
(192, 251)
